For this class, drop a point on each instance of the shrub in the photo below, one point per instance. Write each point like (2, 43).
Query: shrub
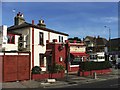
(57, 68)
(88, 66)
(36, 70)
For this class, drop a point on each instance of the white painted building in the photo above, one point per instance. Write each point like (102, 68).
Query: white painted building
(8, 40)
(34, 39)
(97, 57)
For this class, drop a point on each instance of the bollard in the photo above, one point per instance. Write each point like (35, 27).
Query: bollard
(94, 75)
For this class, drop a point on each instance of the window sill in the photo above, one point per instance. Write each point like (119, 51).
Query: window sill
(10, 43)
(41, 44)
(42, 66)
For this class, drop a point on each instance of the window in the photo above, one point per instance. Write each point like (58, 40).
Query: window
(41, 57)
(76, 61)
(41, 38)
(11, 38)
(118, 56)
(101, 57)
(93, 56)
(61, 59)
(60, 38)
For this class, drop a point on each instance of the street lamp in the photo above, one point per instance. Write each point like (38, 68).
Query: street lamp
(109, 36)
(109, 32)
(67, 61)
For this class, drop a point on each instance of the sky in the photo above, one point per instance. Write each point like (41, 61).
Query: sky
(78, 19)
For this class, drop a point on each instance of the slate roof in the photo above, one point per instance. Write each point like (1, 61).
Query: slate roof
(25, 24)
(99, 41)
(12, 32)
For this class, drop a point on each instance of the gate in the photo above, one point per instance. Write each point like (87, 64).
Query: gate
(16, 67)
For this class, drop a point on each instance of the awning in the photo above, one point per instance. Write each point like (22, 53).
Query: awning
(79, 54)
(48, 52)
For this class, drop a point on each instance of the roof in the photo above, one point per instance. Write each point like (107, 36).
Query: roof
(114, 42)
(12, 32)
(90, 38)
(101, 41)
(25, 24)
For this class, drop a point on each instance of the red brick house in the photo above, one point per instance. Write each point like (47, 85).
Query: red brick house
(56, 53)
(77, 55)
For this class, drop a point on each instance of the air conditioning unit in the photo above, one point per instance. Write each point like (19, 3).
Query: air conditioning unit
(22, 43)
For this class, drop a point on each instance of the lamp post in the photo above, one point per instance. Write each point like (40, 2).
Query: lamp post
(67, 61)
(109, 31)
(109, 36)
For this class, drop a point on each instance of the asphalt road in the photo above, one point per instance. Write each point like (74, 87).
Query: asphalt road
(114, 83)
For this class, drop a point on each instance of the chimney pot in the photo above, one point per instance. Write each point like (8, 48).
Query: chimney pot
(33, 22)
(19, 19)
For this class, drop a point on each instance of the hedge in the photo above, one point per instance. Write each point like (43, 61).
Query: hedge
(88, 66)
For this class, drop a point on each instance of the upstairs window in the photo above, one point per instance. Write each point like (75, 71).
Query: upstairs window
(60, 38)
(11, 39)
(41, 39)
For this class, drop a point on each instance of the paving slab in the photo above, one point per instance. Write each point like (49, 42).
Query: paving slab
(30, 84)
(71, 80)
(12, 85)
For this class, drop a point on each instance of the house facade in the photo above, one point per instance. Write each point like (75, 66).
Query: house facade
(96, 48)
(114, 50)
(8, 40)
(32, 38)
(57, 53)
(77, 54)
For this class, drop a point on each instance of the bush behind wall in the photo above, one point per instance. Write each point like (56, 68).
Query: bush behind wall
(88, 66)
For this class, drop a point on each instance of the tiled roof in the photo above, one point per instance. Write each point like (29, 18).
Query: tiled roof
(25, 24)
(101, 41)
(98, 41)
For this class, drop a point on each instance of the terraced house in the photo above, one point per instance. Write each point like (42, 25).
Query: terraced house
(23, 36)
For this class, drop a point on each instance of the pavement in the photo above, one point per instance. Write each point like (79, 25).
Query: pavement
(71, 79)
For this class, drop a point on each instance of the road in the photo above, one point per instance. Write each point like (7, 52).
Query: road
(101, 84)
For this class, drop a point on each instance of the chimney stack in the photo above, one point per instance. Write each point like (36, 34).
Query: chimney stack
(32, 22)
(41, 23)
(19, 19)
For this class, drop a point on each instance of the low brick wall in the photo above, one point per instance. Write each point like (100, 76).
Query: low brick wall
(47, 75)
(90, 73)
(73, 68)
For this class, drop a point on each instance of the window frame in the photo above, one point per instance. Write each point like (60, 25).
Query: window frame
(11, 36)
(41, 40)
(41, 59)
(60, 38)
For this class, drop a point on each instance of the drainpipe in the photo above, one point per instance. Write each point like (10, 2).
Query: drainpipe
(68, 58)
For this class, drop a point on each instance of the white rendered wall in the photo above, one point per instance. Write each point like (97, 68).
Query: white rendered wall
(101, 54)
(9, 47)
(77, 49)
(39, 48)
(56, 36)
(3, 34)
(42, 49)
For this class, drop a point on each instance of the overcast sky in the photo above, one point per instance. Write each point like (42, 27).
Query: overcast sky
(78, 19)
